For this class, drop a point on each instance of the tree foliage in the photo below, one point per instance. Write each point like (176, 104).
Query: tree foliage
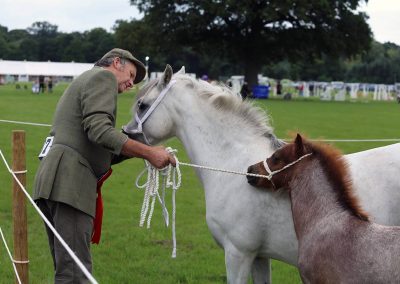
(42, 41)
(253, 33)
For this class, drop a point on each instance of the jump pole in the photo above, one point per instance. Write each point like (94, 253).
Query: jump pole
(19, 206)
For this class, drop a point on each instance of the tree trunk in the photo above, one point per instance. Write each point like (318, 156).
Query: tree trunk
(252, 68)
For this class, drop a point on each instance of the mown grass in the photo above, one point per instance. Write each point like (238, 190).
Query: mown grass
(129, 254)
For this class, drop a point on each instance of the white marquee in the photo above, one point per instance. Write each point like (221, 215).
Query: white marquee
(34, 68)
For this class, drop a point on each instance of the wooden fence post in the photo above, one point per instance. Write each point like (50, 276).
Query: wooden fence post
(19, 206)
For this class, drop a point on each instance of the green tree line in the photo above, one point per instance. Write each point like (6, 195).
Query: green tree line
(373, 62)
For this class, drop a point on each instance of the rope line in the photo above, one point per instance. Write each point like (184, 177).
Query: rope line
(286, 139)
(354, 140)
(221, 170)
(64, 244)
(24, 122)
(20, 172)
(20, 261)
(11, 258)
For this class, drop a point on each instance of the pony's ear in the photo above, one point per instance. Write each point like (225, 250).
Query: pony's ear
(181, 71)
(298, 145)
(166, 77)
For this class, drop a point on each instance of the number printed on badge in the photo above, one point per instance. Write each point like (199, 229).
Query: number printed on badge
(46, 147)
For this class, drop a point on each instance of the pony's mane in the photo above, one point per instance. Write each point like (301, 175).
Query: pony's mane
(222, 98)
(337, 171)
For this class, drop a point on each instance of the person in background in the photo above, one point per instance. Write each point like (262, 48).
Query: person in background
(301, 89)
(311, 89)
(85, 145)
(50, 85)
(41, 84)
(245, 91)
(35, 87)
(279, 88)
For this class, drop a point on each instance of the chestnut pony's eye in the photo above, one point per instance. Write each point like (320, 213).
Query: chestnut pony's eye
(275, 159)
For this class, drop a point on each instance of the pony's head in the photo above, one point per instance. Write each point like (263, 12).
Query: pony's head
(290, 162)
(147, 125)
(280, 166)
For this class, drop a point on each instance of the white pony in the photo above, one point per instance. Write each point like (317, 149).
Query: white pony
(218, 129)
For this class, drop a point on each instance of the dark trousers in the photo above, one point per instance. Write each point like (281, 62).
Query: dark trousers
(75, 227)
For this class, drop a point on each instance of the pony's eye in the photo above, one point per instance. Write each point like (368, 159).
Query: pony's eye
(275, 159)
(141, 106)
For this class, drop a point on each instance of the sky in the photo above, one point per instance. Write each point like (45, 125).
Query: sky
(68, 15)
(83, 15)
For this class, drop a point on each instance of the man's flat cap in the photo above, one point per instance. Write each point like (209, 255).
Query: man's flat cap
(121, 53)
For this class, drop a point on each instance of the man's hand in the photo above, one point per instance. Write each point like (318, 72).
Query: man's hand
(156, 155)
(160, 158)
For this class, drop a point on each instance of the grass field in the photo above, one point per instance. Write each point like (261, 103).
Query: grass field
(129, 254)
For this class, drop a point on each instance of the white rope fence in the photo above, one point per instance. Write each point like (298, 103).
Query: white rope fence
(23, 122)
(321, 140)
(64, 244)
(13, 261)
(354, 140)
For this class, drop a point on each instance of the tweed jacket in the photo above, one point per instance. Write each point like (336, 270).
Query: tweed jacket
(85, 141)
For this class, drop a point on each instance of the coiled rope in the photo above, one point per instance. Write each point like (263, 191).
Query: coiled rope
(171, 178)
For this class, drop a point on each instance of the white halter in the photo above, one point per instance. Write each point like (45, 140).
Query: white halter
(141, 121)
(272, 173)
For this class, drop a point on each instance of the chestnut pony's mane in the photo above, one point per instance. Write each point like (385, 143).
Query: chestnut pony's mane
(338, 175)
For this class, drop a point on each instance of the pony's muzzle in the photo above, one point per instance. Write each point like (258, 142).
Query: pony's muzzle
(135, 135)
(251, 179)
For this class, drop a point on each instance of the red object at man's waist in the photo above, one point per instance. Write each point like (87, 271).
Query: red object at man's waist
(98, 219)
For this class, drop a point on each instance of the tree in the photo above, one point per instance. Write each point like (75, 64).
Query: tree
(3, 42)
(380, 65)
(138, 37)
(45, 34)
(14, 40)
(253, 33)
(96, 43)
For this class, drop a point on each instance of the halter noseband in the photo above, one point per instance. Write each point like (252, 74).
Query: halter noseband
(141, 121)
(272, 173)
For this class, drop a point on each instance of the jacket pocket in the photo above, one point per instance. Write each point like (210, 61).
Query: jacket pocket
(46, 173)
(75, 182)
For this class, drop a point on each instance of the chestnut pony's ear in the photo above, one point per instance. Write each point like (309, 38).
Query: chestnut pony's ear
(298, 146)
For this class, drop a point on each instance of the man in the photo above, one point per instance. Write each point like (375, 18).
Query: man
(85, 144)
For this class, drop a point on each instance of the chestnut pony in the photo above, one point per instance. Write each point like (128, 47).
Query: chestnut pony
(337, 242)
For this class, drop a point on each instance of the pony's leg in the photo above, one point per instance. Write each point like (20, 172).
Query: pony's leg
(261, 271)
(238, 266)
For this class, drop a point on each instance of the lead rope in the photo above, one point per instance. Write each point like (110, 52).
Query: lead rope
(171, 178)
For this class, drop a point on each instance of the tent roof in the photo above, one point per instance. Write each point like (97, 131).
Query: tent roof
(34, 68)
